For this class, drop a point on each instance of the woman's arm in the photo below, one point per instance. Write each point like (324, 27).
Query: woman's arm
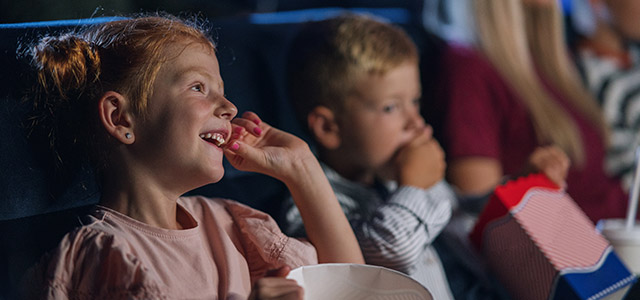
(475, 175)
(480, 175)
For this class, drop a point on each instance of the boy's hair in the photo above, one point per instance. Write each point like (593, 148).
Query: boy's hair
(75, 69)
(328, 58)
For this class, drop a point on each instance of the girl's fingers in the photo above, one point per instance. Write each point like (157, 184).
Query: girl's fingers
(279, 272)
(238, 152)
(248, 125)
(253, 117)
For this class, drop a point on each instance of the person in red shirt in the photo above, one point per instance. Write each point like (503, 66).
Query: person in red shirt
(516, 91)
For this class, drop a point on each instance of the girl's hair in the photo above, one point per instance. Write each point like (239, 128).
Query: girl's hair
(522, 39)
(75, 69)
(328, 58)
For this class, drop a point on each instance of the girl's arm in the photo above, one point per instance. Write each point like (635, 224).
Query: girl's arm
(255, 146)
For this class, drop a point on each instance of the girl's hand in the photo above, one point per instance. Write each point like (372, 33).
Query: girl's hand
(552, 162)
(276, 286)
(257, 147)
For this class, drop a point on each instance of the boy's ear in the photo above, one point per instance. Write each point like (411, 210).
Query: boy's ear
(324, 127)
(115, 115)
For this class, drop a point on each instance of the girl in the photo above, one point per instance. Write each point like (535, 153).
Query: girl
(520, 93)
(144, 100)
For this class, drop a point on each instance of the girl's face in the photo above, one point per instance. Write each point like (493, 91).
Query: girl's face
(382, 116)
(188, 117)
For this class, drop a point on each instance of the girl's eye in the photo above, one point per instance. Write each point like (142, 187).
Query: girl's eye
(198, 88)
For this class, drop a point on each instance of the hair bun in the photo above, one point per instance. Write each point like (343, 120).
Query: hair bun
(65, 64)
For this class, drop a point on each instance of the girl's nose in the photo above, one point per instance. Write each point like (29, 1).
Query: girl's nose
(226, 110)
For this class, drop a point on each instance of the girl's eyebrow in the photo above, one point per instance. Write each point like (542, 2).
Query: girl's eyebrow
(193, 69)
(200, 71)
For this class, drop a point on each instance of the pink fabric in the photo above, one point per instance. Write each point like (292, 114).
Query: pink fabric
(116, 257)
(482, 116)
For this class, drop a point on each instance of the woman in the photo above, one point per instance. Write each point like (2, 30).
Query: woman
(517, 91)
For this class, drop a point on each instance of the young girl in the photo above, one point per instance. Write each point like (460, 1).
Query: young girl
(143, 98)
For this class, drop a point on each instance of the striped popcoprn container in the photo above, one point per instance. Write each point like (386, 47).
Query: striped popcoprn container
(541, 245)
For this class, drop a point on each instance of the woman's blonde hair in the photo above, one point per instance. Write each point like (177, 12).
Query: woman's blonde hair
(524, 39)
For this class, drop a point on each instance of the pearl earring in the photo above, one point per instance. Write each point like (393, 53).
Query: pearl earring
(127, 135)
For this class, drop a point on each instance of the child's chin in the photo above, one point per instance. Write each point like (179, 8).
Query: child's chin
(217, 177)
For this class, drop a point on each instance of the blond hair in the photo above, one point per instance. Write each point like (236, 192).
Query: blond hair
(329, 57)
(519, 39)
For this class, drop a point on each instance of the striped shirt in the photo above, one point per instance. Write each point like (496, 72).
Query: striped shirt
(394, 226)
(617, 90)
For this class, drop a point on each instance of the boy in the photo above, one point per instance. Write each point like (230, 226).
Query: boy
(355, 84)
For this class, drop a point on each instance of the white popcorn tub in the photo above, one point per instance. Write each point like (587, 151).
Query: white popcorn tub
(354, 282)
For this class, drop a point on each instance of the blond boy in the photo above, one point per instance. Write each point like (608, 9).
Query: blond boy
(355, 84)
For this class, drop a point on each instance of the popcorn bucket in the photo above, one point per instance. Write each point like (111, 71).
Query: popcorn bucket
(541, 245)
(357, 282)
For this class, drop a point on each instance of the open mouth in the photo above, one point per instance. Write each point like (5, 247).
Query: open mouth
(214, 138)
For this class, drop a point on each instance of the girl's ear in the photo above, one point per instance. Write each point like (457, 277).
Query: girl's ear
(324, 127)
(116, 117)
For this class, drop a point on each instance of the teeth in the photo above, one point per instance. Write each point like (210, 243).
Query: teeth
(216, 138)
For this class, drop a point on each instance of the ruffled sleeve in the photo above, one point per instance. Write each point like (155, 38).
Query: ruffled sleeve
(90, 264)
(265, 246)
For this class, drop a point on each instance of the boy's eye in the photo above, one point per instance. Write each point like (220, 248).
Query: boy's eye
(389, 108)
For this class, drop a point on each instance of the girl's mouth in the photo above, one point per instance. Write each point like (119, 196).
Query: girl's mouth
(214, 138)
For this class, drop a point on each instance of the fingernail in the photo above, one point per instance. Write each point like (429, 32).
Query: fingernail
(235, 146)
(257, 130)
(238, 129)
(256, 121)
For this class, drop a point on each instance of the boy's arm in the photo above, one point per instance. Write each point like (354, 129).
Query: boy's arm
(399, 230)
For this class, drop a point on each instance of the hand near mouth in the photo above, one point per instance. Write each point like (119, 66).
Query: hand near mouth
(421, 163)
(257, 147)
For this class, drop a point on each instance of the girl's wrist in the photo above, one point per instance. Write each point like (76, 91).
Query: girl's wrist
(302, 170)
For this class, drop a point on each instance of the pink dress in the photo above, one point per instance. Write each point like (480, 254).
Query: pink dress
(116, 257)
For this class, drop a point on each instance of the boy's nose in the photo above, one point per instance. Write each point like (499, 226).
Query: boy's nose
(414, 120)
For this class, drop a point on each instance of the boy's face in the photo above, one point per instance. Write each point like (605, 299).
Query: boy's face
(187, 102)
(381, 117)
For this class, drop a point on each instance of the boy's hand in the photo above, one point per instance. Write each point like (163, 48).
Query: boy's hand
(552, 162)
(421, 162)
(257, 147)
(276, 286)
